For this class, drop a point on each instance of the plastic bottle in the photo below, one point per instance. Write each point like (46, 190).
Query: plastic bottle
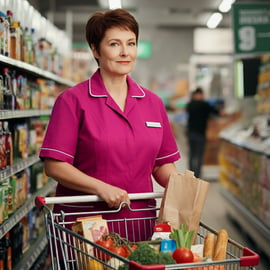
(9, 97)
(28, 46)
(2, 30)
(8, 145)
(4, 34)
(16, 47)
(2, 148)
(34, 46)
(1, 93)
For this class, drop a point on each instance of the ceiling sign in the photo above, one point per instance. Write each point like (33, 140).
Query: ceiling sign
(251, 26)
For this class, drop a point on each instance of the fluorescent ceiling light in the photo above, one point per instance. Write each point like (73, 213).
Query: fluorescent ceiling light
(225, 5)
(113, 4)
(214, 20)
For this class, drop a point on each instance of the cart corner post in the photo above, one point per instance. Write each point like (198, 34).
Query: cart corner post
(249, 258)
(40, 202)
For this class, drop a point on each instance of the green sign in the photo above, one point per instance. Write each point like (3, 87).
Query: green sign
(251, 26)
(144, 49)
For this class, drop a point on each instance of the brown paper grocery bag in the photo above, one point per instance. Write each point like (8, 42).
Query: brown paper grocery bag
(183, 201)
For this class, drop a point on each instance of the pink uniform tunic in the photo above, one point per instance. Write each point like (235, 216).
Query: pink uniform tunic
(88, 130)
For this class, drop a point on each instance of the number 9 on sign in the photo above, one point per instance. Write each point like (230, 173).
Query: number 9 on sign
(247, 38)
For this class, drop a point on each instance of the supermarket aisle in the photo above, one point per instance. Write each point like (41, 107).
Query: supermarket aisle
(215, 210)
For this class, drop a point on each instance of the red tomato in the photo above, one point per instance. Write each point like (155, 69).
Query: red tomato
(119, 250)
(128, 251)
(183, 255)
(106, 243)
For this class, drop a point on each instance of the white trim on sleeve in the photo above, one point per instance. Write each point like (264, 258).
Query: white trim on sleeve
(159, 158)
(50, 149)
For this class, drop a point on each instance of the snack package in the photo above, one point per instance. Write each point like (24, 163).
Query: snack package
(161, 232)
(92, 228)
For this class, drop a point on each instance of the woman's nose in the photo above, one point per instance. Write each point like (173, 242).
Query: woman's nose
(124, 51)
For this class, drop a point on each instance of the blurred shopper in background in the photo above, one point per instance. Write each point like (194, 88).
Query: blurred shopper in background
(108, 135)
(199, 111)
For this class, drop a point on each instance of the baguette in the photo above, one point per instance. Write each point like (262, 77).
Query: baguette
(208, 246)
(221, 246)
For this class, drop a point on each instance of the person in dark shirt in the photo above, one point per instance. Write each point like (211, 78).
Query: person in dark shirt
(199, 111)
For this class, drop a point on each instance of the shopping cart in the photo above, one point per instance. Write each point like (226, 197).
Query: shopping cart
(75, 248)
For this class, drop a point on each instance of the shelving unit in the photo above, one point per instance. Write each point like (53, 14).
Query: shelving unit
(32, 254)
(245, 181)
(23, 210)
(248, 221)
(37, 247)
(37, 72)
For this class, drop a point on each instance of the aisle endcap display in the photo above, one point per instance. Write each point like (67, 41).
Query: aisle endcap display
(245, 175)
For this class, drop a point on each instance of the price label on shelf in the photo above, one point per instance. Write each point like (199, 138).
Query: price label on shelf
(251, 26)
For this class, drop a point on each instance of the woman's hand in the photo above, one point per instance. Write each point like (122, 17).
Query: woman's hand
(70, 177)
(112, 195)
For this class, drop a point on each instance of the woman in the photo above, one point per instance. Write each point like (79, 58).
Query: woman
(108, 135)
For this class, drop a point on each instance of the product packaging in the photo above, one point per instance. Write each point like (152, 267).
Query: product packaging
(92, 228)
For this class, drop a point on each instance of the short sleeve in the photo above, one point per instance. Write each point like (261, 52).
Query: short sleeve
(61, 136)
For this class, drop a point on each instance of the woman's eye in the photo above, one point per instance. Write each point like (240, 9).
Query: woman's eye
(114, 44)
(132, 43)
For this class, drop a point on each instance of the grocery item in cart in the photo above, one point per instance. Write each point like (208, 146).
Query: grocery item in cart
(92, 228)
(64, 241)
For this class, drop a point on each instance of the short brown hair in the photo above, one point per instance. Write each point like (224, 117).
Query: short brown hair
(100, 22)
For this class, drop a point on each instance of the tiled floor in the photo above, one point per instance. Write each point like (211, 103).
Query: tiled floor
(215, 210)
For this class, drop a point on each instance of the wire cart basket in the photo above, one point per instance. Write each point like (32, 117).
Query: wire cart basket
(75, 248)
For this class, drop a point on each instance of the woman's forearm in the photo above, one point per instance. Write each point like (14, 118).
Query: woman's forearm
(72, 178)
(162, 173)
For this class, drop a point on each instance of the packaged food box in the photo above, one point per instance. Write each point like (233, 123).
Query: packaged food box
(92, 228)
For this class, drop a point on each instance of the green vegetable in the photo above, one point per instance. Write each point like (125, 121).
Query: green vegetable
(182, 237)
(145, 255)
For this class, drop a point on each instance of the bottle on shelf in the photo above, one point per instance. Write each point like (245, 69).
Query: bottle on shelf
(2, 103)
(8, 145)
(4, 34)
(2, 148)
(28, 52)
(9, 95)
(16, 41)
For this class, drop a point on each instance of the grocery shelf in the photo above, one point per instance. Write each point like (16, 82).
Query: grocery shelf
(251, 224)
(18, 166)
(25, 208)
(32, 254)
(8, 114)
(35, 70)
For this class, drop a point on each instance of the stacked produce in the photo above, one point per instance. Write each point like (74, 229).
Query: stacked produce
(153, 252)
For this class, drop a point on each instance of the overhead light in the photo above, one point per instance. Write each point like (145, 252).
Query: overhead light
(225, 5)
(113, 4)
(214, 20)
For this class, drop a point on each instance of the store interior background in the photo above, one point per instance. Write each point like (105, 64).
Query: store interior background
(183, 54)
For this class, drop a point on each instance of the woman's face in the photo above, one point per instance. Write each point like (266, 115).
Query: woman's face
(118, 51)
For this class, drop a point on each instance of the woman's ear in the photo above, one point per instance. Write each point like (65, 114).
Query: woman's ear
(94, 51)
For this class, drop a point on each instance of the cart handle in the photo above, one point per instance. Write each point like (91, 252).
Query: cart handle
(41, 201)
(249, 258)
